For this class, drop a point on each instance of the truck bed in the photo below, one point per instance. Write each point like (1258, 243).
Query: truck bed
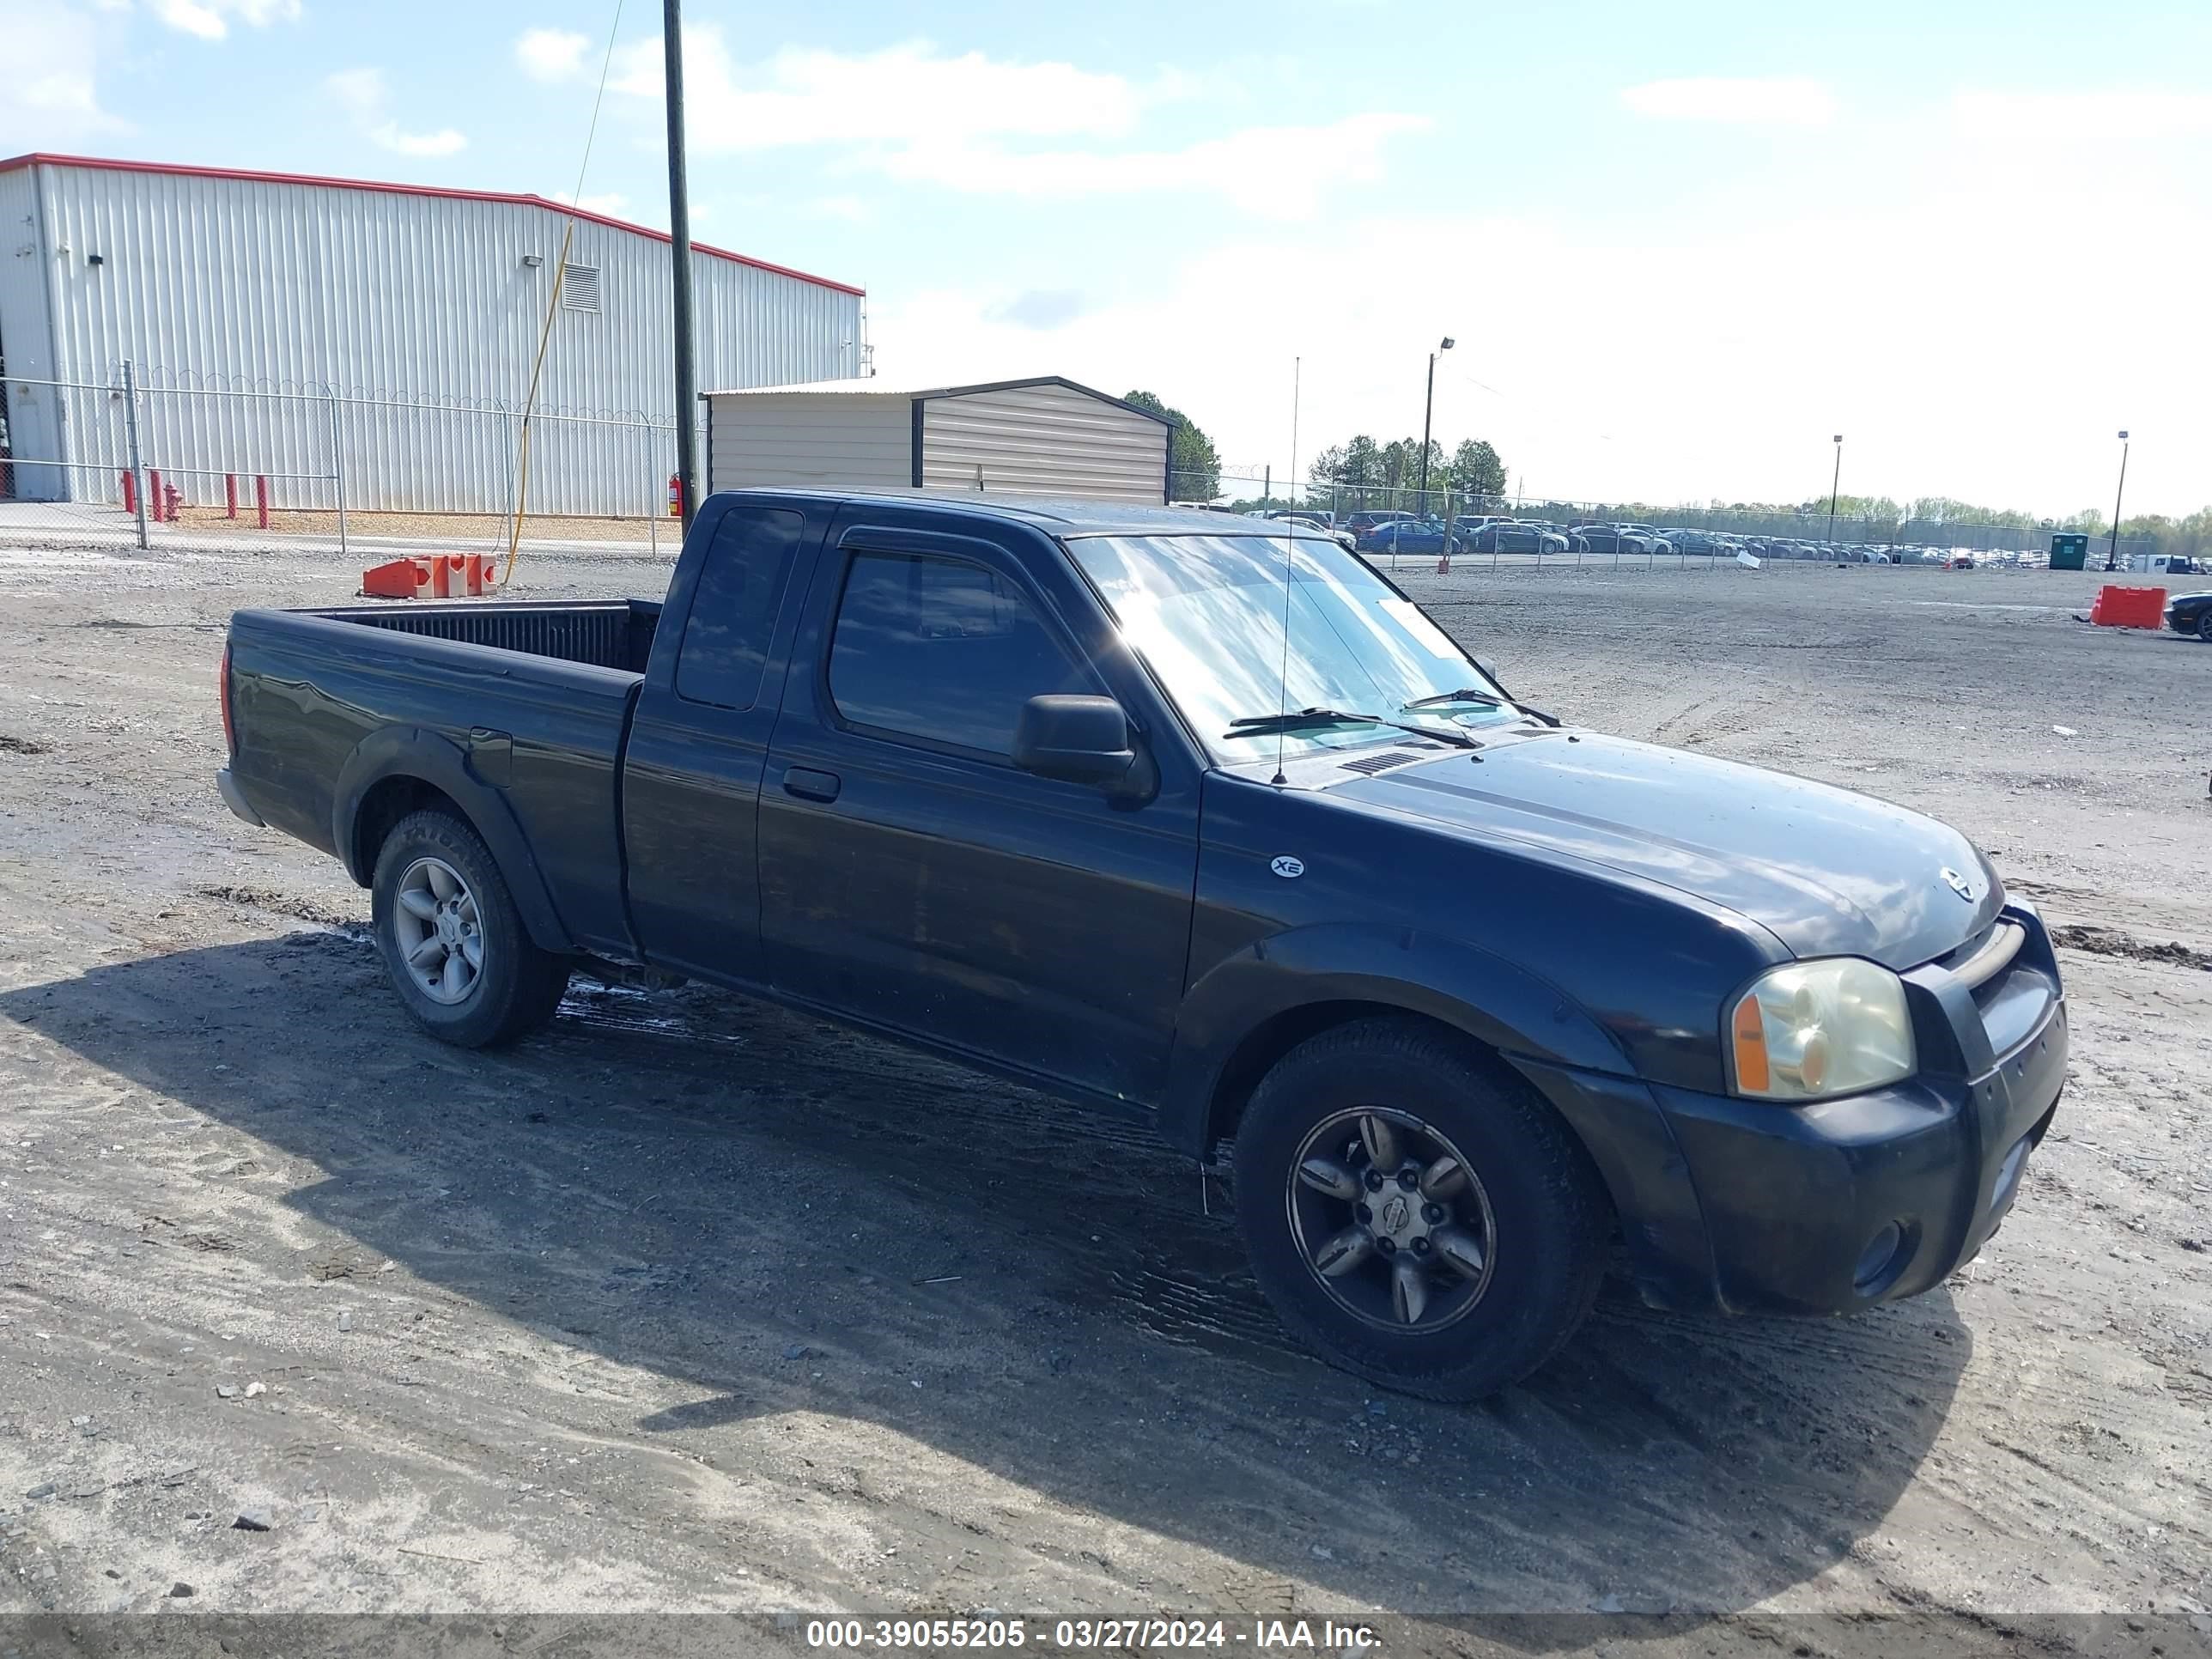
(536, 695)
(603, 633)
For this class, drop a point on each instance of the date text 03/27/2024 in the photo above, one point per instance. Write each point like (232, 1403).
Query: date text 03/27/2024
(1092, 1635)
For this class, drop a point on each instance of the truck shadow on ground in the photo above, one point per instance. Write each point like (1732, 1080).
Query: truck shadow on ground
(775, 1216)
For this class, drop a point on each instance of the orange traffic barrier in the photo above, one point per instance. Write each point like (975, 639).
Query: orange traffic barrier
(436, 576)
(2129, 607)
(402, 579)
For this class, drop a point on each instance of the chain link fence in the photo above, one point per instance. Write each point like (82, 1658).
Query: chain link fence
(1584, 529)
(128, 459)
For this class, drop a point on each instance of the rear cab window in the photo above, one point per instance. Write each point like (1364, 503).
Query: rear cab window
(742, 578)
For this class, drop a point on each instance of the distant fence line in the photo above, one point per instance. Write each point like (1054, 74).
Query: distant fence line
(314, 446)
(1344, 500)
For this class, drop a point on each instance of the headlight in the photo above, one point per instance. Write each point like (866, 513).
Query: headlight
(1815, 1029)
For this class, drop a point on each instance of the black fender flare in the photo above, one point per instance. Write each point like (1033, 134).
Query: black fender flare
(1493, 1000)
(402, 751)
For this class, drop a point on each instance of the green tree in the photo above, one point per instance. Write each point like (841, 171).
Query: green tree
(1196, 466)
(1476, 469)
(1362, 462)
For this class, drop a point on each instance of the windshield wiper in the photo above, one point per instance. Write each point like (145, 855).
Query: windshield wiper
(1254, 725)
(1484, 697)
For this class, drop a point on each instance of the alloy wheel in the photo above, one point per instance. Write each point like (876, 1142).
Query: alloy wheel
(439, 932)
(1391, 1220)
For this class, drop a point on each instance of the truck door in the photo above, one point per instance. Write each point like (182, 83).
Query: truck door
(911, 876)
(691, 776)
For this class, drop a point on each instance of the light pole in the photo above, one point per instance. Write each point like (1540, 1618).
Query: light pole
(1428, 409)
(1834, 483)
(2113, 553)
(679, 257)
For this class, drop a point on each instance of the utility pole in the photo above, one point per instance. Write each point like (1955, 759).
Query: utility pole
(1835, 484)
(679, 256)
(2113, 554)
(1428, 409)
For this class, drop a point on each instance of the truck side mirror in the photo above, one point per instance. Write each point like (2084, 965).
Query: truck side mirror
(1076, 739)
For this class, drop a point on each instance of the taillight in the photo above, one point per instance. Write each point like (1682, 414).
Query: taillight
(222, 690)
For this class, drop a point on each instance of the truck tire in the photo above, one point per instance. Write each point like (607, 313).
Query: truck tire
(1415, 1211)
(453, 945)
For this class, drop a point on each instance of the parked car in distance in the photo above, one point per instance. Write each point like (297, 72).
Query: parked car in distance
(1049, 790)
(1408, 536)
(1361, 522)
(2190, 613)
(1702, 543)
(1321, 523)
(1511, 536)
(1620, 538)
(1959, 561)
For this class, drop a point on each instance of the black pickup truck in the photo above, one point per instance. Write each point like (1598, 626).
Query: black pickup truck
(1209, 824)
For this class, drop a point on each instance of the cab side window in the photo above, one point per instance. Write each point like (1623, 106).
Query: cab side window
(733, 609)
(942, 649)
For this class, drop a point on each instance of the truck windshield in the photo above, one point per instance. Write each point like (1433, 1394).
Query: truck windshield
(1206, 613)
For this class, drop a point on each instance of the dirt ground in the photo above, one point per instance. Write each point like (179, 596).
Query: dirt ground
(687, 1305)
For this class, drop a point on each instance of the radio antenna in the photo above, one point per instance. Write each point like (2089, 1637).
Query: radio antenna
(1289, 553)
(1283, 686)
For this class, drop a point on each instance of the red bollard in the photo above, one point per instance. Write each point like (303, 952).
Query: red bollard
(229, 496)
(153, 492)
(261, 499)
(130, 491)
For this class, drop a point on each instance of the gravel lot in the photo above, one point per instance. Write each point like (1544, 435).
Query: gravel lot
(688, 1305)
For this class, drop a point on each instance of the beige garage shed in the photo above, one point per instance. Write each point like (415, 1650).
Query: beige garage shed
(1047, 436)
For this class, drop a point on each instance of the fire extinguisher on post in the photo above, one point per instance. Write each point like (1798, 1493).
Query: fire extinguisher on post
(675, 495)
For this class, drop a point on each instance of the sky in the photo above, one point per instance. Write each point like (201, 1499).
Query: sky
(1679, 248)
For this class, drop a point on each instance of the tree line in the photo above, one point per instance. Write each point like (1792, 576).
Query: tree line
(1388, 475)
(1473, 468)
(1883, 519)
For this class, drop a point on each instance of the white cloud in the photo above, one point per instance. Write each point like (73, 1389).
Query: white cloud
(971, 123)
(851, 210)
(1989, 353)
(362, 93)
(808, 96)
(53, 101)
(1779, 101)
(1268, 172)
(210, 20)
(445, 141)
(551, 54)
(2063, 116)
(610, 203)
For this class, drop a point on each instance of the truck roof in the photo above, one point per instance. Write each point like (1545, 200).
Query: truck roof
(1059, 516)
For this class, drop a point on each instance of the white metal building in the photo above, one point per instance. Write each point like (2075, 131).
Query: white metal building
(310, 327)
(1047, 436)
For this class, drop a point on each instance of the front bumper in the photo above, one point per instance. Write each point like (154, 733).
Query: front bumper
(1835, 1206)
(235, 798)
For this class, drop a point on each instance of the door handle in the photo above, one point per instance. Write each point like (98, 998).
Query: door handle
(809, 785)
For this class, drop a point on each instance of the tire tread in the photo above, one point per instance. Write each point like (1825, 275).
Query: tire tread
(1568, 1188)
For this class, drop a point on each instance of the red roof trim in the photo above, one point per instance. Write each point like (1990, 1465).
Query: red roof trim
(42, 158)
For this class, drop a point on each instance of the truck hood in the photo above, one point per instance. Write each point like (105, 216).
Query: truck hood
(1827, 872)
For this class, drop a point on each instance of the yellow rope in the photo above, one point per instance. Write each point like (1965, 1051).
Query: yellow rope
(529, 406)
(552, 309)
